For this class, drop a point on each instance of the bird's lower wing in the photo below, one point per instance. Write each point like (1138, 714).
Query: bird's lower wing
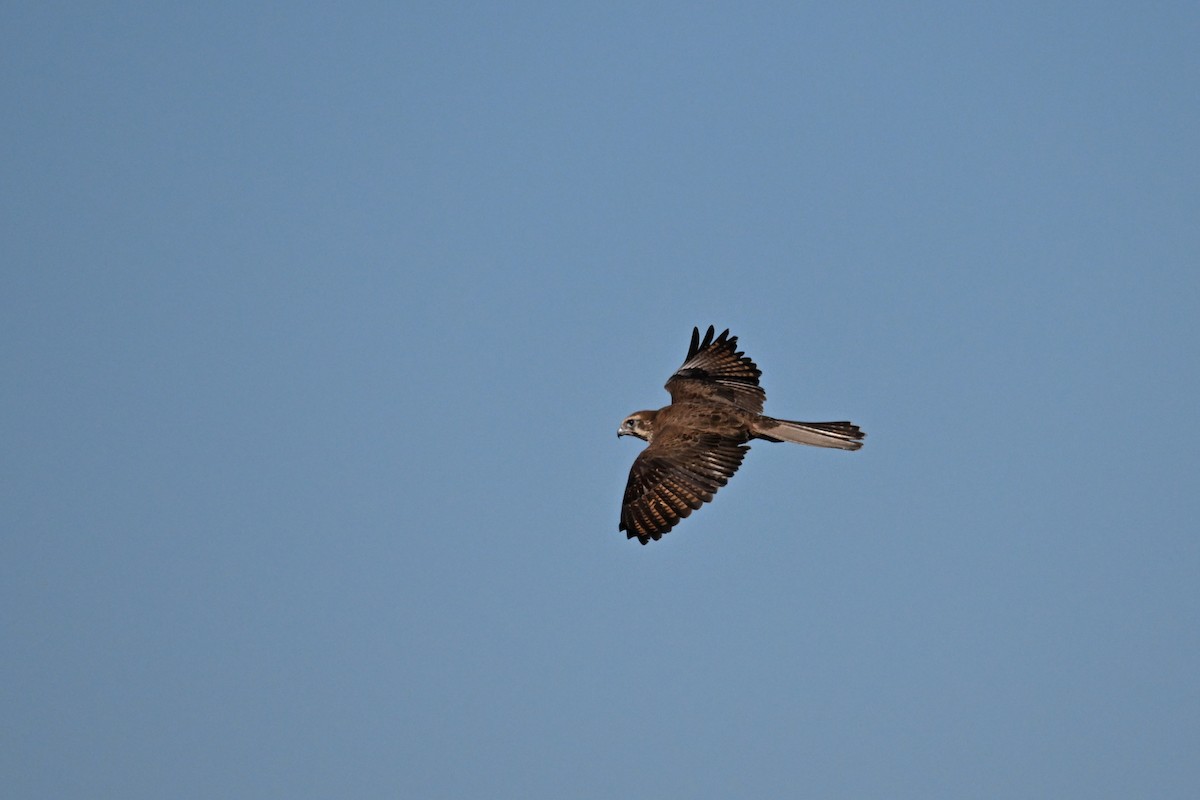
(674, 476)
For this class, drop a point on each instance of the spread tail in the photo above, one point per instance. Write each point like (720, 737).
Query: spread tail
(842, 435)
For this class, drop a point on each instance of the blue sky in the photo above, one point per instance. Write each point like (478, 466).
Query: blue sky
(318, 322)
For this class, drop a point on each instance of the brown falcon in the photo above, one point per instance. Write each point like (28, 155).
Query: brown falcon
(699, 441)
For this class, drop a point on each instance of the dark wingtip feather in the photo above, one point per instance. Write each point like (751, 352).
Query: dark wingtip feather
(710, 338)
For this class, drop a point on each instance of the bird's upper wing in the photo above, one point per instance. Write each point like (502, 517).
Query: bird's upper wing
(680, 471)
(715, 372)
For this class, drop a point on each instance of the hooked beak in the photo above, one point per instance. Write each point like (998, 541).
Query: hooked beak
(620, 433)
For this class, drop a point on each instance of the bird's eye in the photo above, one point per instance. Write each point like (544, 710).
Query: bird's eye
(628, 423)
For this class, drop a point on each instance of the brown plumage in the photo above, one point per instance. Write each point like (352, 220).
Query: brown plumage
(699, 441)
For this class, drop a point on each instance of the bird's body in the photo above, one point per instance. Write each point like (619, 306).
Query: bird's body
(699, 441)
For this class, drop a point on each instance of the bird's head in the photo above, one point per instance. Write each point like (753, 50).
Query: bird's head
(639, 424)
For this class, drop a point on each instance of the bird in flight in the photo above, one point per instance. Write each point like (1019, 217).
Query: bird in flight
(699, 441)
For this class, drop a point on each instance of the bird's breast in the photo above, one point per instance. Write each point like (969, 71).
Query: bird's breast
(706, 418)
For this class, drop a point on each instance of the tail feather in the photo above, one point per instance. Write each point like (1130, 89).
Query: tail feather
(840, 435)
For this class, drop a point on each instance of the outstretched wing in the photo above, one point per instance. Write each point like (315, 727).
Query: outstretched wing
(678, 472)
(715, 372)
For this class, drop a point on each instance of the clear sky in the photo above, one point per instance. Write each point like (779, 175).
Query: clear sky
(318, 323)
